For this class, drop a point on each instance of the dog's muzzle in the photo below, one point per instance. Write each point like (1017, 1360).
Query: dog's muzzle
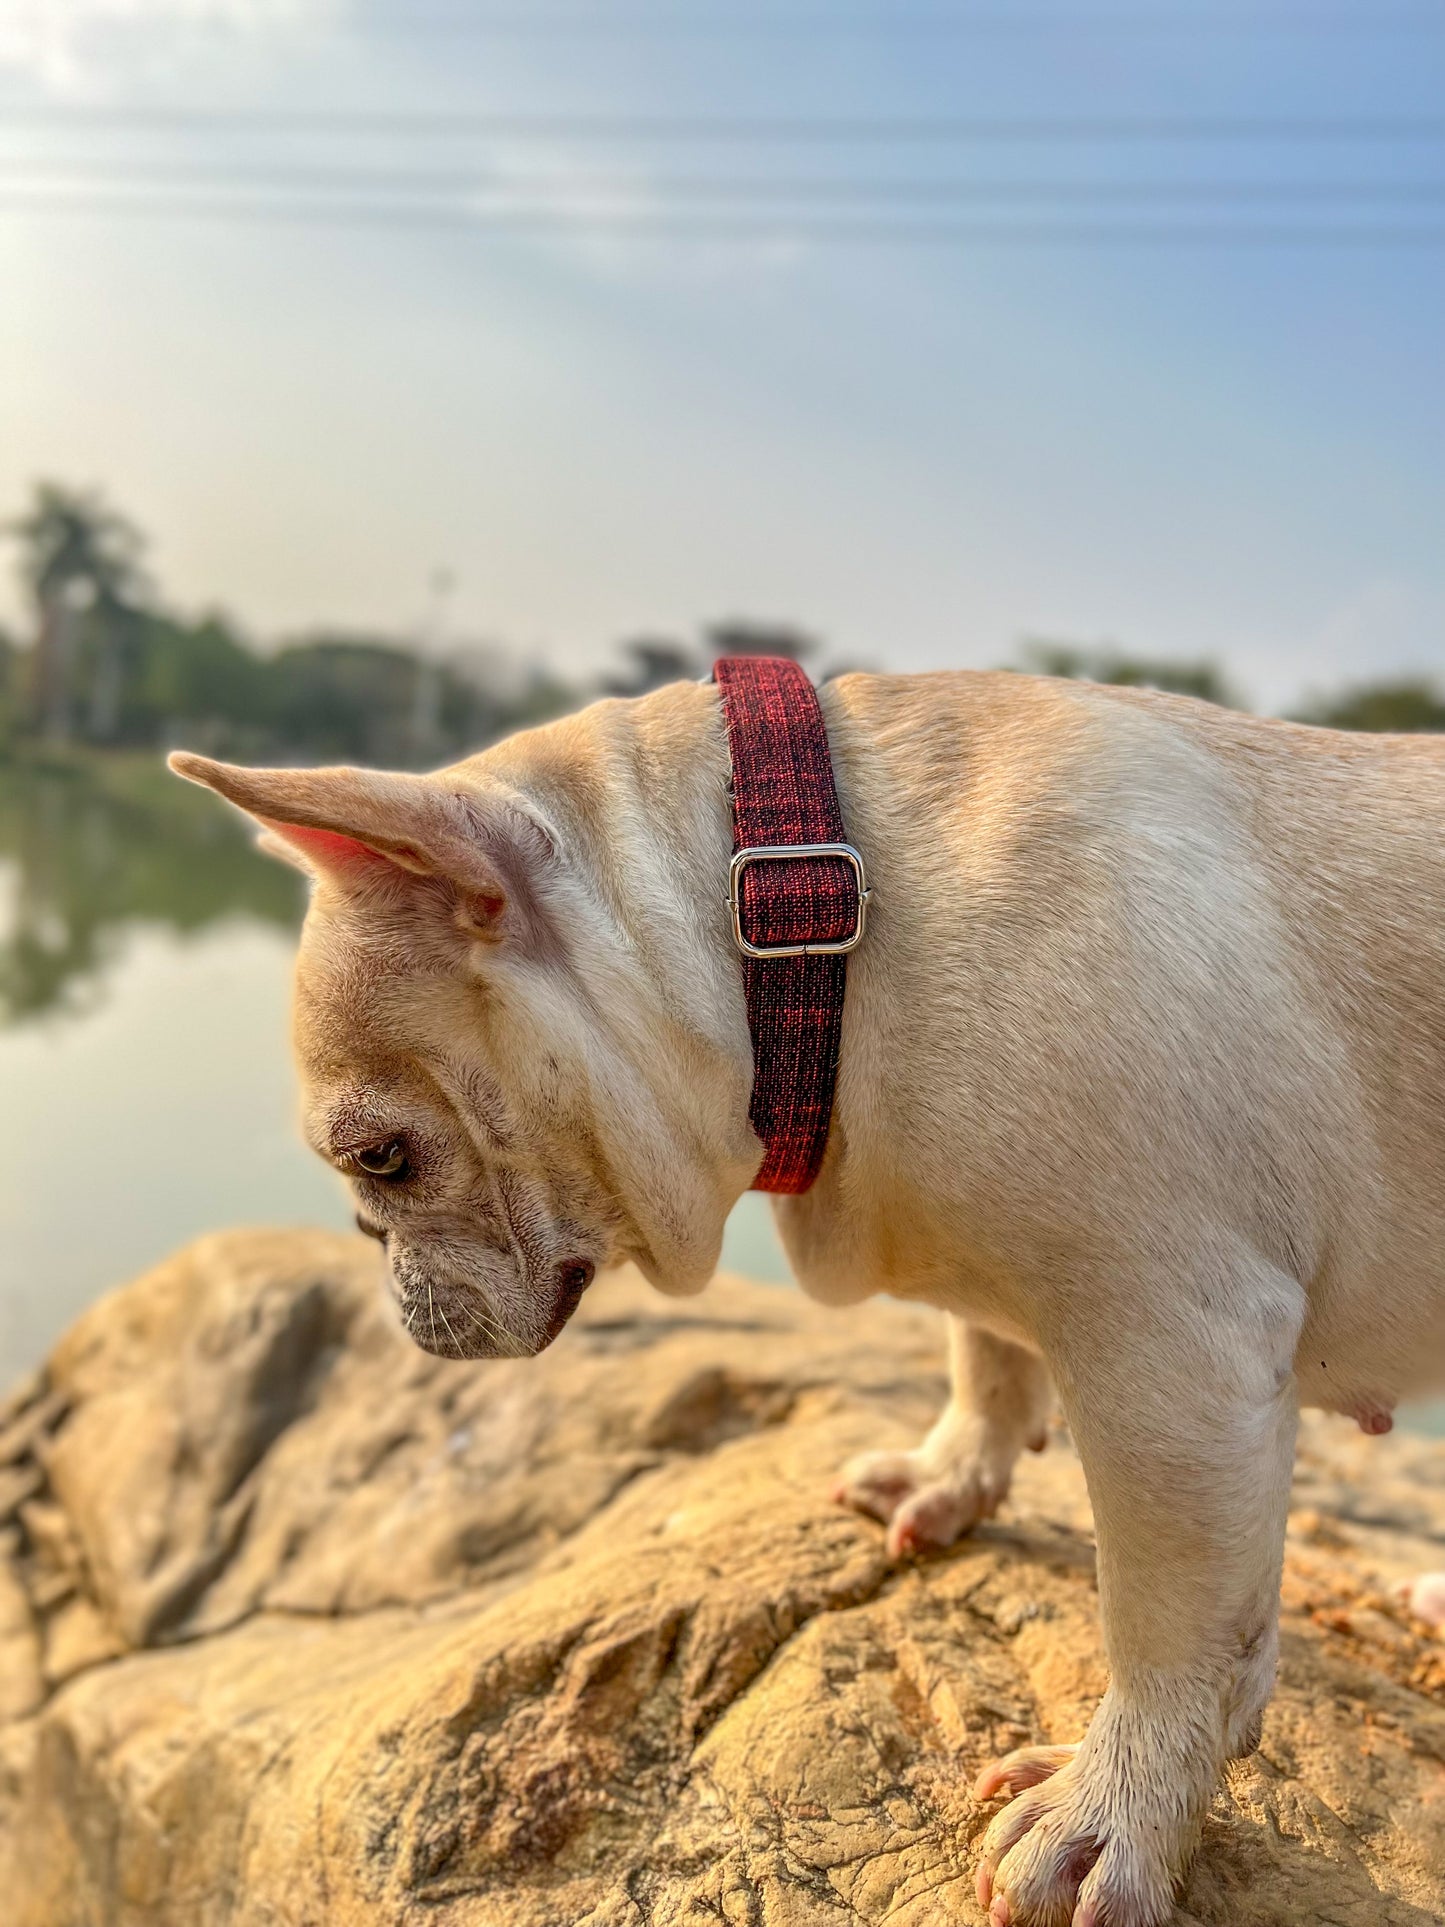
(452, 1320)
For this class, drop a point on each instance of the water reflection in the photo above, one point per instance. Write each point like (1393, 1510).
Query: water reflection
(160, 1106)
(145, 960)
(90, 847)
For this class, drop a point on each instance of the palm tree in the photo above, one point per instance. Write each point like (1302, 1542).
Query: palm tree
(76, 554)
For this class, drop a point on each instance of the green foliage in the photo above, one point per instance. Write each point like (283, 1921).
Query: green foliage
(736, 636)
(1388, 707)
(1411, 704)
(11, 662)
(71, 540)
(652, 661)
(80, 563)
(185, 678)
(649, 662)
(1101, 664)
(365, 699)
(95, 844)
(107, 666)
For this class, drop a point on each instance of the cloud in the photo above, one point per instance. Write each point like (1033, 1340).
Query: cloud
(85, 47)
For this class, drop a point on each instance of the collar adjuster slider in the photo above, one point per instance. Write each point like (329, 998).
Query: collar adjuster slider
(787, 852)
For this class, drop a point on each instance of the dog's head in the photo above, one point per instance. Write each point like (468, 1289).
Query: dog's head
(487, 1057)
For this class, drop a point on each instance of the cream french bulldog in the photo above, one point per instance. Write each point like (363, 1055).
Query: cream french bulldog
(1142, 1083)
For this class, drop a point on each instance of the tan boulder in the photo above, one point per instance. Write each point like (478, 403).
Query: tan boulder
(300, 1626)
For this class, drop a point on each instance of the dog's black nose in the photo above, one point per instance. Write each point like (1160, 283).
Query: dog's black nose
(573, 1278)
(371, 1230)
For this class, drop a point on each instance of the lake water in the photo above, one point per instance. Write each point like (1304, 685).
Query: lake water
(145, 954)
(148, 1096)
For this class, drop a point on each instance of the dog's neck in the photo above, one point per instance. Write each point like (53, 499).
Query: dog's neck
(637, 795)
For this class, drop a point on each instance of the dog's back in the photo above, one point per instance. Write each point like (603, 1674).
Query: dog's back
(1274, 893)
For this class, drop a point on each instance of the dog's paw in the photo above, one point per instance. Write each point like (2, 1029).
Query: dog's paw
(1073, 1849)
(924, 1505)
(1026, 1766)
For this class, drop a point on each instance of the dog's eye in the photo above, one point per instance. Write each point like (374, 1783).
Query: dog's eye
(387, 1160)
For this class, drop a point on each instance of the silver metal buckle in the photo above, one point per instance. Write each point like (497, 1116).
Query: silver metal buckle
(781, 852)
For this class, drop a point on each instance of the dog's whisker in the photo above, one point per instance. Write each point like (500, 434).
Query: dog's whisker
(456, 1342)
(479, 1319)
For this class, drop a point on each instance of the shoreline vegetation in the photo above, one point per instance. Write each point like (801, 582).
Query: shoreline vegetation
(96, 837)
(106, 664)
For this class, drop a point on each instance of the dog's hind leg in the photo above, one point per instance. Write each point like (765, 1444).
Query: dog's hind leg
(1000, 1403)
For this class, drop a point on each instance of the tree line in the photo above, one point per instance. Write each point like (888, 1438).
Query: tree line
(107, 664)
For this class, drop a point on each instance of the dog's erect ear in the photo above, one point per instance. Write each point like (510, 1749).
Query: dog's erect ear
(361, 826)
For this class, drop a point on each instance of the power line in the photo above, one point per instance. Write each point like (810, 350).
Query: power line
(785, 129)
(576, 187)
(891, 22)
(645, 225)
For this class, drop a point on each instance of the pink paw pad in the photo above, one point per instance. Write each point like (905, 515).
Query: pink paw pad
(929, 1521)
(1424, 1598)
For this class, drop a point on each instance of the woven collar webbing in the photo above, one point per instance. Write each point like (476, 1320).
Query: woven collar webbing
(783, 793)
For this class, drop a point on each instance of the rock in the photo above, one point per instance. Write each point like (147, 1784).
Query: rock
(22, 1689)
(300, 1626)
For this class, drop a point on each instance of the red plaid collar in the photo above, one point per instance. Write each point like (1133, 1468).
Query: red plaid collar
(795, 915)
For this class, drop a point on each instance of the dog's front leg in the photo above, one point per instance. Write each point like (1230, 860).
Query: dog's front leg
(1184, 1413)
(1000, 1403)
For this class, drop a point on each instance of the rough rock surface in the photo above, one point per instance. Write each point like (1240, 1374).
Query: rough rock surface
(300, 1626)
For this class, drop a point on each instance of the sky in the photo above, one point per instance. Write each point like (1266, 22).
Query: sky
(929, 326)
